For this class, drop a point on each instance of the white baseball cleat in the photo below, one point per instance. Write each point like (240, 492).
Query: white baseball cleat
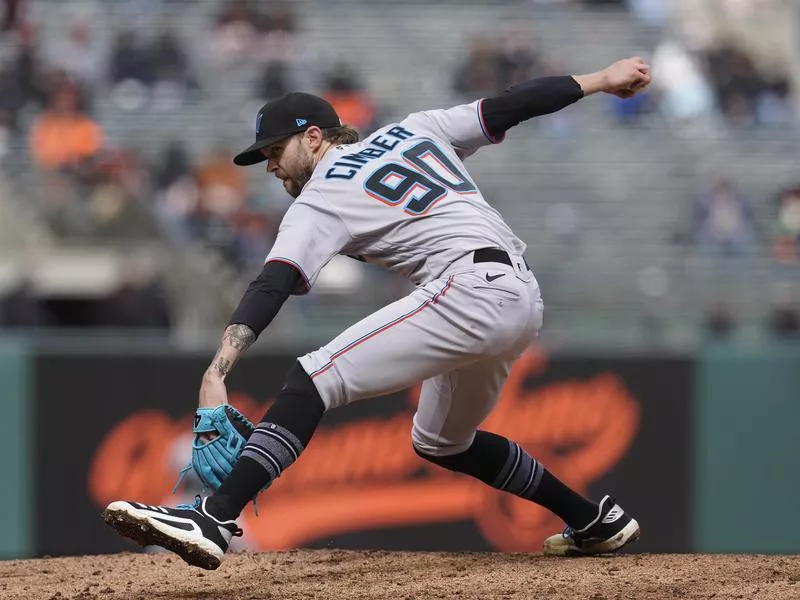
(187, 530)
(611, 530)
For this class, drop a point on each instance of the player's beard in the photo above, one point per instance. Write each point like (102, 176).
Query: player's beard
(305, 167)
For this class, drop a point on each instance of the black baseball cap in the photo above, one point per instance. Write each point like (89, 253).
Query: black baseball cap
(290, 114)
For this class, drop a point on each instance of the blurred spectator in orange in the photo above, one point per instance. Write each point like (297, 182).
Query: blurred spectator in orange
(787, 241)
(348, 97)
(479, 75)
(724, 222)
(64, 136)
(223, 186)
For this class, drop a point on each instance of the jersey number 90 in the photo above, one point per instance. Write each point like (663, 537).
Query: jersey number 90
(418, 188)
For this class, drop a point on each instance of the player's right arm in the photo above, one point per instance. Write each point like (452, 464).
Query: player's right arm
(547, 95)
(470, 126)
(310, 234)
(260, 303)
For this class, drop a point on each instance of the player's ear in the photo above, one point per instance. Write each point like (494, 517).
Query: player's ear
(313, 137)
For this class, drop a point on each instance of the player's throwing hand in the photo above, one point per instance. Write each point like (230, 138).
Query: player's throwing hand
(623, 79)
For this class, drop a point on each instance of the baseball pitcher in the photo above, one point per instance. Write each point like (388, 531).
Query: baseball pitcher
(403, 199)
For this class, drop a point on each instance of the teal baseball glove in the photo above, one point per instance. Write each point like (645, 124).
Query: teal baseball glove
(220, 434)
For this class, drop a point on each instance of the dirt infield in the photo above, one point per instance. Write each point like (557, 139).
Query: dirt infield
(340, 574)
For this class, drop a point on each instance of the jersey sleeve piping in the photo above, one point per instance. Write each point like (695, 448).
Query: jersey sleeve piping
(491, 138)
(303, 286)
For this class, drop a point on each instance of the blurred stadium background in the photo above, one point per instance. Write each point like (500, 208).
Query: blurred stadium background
(663, 229)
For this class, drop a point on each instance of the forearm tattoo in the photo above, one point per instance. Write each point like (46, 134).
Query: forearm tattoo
(222, 365)
(240, 337)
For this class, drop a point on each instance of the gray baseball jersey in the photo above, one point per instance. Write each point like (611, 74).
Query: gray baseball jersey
(403, 199)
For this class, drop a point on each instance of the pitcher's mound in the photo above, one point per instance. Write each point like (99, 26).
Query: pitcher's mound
(344, 574)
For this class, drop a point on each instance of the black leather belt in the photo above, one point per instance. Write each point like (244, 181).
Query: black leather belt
(494, 255)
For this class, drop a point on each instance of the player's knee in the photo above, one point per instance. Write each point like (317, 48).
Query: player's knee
(452, 462)
(434, 450)
(297, 380)
(326, 379)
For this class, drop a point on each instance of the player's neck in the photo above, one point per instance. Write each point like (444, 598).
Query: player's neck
(321, 151)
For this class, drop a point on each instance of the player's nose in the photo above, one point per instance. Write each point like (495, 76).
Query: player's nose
(272, 165)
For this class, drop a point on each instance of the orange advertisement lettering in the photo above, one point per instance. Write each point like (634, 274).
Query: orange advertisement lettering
(364, 475)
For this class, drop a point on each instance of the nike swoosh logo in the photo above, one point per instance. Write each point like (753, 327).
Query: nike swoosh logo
(491, 278)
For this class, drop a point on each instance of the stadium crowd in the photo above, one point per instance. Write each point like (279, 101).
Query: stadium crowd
(89, 188)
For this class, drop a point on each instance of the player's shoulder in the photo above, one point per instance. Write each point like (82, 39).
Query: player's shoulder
(433, 113)
(314, 200)
(392, 130)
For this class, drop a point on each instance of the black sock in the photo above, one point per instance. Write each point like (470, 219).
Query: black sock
(575, 510)
(276, 443)
(504, 465)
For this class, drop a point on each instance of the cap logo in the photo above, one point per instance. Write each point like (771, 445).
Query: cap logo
(258, 122)
(300, 122)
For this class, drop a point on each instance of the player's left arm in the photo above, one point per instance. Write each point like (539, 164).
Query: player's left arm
(547, 95)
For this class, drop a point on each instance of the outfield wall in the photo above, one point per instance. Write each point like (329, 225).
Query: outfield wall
(16, 451)
(690, 444)
(747, 461)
